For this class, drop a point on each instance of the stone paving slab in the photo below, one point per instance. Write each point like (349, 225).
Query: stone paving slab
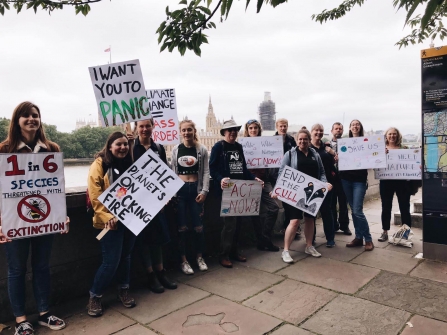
(136, 330)
(340, 252)
(425, 326)
(215, 315)
(291, 301)
(151, 306)
(269, 261)
(290, 330)
(387, 260)
(431, 270)
(236, 284)
(347, 315)
(111, 322)
(423, 297)
(331, 274)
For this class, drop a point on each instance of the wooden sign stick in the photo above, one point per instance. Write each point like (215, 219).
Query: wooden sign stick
(102, 233)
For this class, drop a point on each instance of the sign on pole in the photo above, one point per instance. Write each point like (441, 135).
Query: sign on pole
(33, 194)
(141, 192)
(401, 164)
(300, 190)
(262, 152)
(163, 107)
(241, 198)
(120, 92)
(358, 153)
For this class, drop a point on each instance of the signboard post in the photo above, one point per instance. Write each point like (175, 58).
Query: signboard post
(33, 194)
(241, 198)
(300, 190)
(358, 153)
(262, 152)
(401, 164)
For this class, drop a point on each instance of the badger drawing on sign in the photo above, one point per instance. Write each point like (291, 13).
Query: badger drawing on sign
(309, 204)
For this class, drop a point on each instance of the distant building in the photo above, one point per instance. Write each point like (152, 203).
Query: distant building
(80, 123)
(267, 112)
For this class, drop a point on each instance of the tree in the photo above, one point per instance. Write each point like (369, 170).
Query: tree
(184, 28)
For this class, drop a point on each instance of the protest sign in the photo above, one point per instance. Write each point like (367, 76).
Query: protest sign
(33, 194)
(401, 164)
(120, 93)
(300, 190)
(262, 152)
(141, 192)
(357, 153)
(241, 198)
(163, 107)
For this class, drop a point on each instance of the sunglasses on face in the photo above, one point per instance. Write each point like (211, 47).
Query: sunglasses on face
(252, 121)
(232, 129)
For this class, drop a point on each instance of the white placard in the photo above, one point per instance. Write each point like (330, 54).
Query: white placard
(163, 107)
(241, 198)
(358, 153)
(141, 192)
(401, 164)
(120, 92)
(262, 152)
(300, 190)
(33, 194)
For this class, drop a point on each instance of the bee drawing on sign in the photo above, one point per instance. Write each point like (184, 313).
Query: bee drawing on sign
(36, 206)
(309, 204)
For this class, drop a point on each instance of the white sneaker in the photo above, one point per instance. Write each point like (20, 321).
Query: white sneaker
(201, 263)
(186, 268)
(312, 251)
(286, 257)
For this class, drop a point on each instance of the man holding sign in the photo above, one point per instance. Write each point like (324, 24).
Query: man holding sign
(307, 161)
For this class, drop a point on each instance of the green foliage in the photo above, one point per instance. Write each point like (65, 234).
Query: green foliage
(429, 26)
(4, 126)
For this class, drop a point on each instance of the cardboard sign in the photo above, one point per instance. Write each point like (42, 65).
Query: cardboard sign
(358, 153)
(300, 190)
(163, 107)
(262, 152)
(120, 93)
(141, 192)
(241, 198)
(33, 194)
(401, 164)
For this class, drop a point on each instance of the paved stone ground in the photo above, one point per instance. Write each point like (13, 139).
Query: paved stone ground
(347, 291)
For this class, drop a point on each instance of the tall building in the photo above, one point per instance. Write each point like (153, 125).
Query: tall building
(80, 123)
(267, 112)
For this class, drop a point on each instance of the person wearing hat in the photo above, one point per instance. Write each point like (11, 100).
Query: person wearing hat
(227, 162)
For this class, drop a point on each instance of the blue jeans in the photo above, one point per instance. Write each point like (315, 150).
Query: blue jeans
(355, 193)
(187, 201)
(116, 248)
(17, 253)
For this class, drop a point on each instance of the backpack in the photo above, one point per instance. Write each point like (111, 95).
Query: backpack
(88, 202)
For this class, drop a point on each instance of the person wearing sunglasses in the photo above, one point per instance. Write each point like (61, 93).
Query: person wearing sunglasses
(227, 162)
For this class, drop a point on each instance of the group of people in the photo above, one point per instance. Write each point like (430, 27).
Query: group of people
(306, 153)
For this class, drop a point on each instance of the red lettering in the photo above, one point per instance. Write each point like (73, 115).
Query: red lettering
(171, 123)
(234, 190)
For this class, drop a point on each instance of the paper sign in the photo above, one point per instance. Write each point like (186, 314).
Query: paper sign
(401, 164)
(120, 93)
(141, 192)
(358, 153)
(33, 194)
(241, 198)
(300, 190)
(163, 107)
(262, 152)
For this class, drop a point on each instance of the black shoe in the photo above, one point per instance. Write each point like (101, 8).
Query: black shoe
(347, 232)
(336, 227)
(161, 275)
(51, 321)
(154, 283)
(94, 307)
(123, 296)
(24, 328)
(268, 247)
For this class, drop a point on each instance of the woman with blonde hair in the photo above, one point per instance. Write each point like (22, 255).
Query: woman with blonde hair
(190, 162)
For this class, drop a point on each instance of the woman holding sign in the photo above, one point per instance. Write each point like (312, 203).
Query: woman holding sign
(117, 245)
(263, 223)
(355, 184)
(190, 163)
(308, 161)
(393, 140)
(26, 135)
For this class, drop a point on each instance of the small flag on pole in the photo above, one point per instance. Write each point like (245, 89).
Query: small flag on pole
(107, 50)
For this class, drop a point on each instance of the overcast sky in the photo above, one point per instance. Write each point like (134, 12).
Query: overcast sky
(347, 69)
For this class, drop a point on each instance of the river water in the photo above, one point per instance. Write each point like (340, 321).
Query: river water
(76, 175)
